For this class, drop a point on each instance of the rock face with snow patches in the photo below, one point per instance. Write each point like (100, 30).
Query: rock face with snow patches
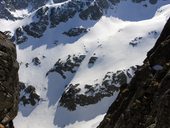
(45, 16)
(94, 11)
(94, 93)
(145, 102)
(70, 65)
(75, 56)
(13, 5)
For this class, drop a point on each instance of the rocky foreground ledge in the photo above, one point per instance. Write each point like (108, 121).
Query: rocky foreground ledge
(145, 102)
(9, 89)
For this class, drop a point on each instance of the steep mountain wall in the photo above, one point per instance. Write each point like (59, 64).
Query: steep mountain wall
(92, 9)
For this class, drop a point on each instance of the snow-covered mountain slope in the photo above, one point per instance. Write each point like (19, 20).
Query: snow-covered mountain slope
(18, 9)
(73, 58)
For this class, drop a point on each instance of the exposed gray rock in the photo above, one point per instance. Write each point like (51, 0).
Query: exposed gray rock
(136, 41)
(76, 31)
(66, 11)
(9, 36)
(69, 65)
(36, 29)
(20, 37)
(92, 60)
(36, 61)
(93, 12)
(28, 94)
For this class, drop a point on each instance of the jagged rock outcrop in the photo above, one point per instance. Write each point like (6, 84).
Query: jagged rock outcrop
(145, 102)
(28, 95)
(6, 6)
(73, 95)
(36, 29)
(20, 37)
(5, 13)
(70, 65)
(66, 11)
(75, 31)
(36, 61)
(22, 4)
(9, 89)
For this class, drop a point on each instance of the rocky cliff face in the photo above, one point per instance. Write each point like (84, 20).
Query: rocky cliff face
(9, 89)
(145, 102)
(8, 63)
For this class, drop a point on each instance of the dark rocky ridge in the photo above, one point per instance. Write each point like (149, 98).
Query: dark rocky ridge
(145, 102)
(93, 11)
